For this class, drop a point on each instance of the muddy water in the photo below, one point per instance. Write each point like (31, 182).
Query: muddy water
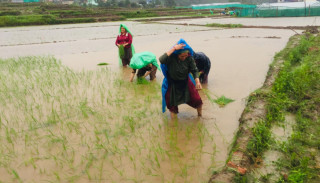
(240, 59)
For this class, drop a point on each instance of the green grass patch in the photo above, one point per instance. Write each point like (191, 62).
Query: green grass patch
(23, 20)
(5, 13)
(260, 141)
(103, 63)
(225, 25)
(222, 101)
(296, 90)
(142, 81)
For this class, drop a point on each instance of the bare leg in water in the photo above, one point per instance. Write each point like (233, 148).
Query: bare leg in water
(199, 110)
(173, 115)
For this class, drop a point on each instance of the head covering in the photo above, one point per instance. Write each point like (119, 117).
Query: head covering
(125, 27)
(182, 51)
(186, 48)
(142, 59)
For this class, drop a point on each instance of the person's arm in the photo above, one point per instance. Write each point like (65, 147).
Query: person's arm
(146, 74)
(198, 84)
(164, 58)
(208, 65)
(132, 75)
(175, 47)
(150, 71)
(117, 41)
(195, 73)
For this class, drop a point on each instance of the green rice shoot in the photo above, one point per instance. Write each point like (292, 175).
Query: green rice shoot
(92, 126)
(221, 101)
(103, 63)
(121, 51)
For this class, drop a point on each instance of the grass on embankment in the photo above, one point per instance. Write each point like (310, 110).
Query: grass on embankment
(295, 91)
(225, 25)
(39, 20)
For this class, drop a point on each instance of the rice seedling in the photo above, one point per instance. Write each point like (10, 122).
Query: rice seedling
(83, 124)
(16, 175)
(222, 101)
(103, 63)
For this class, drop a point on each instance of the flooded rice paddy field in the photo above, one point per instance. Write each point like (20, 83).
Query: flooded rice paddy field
(75, 121)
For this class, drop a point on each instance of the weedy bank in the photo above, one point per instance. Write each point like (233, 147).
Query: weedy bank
(279, 135)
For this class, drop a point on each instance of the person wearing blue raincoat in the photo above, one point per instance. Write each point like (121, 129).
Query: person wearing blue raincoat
(178, 86)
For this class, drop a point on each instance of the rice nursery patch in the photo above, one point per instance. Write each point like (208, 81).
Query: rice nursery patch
(103, 63)
(59, 125)
(221, 101)
(142, 81)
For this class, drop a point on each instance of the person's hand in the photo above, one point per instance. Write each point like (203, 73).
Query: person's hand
(179, 46)
(146, 74)
(132, 76)
(198, 84)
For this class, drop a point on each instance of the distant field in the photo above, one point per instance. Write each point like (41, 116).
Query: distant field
(13, 14)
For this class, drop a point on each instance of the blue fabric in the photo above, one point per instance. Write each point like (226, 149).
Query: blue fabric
(192, 79)
(164, 87)
(187, 47)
